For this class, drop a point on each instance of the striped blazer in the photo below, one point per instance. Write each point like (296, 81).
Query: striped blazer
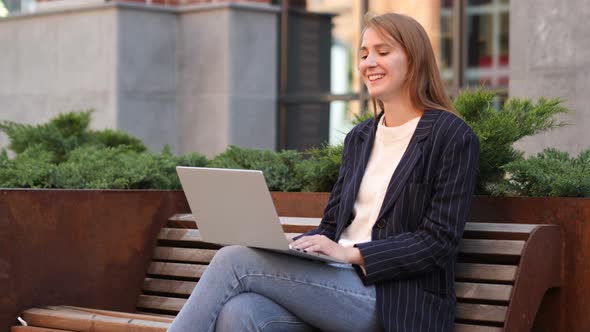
(411, 257)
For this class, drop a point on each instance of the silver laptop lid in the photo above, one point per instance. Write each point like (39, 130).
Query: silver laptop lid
(232, 207)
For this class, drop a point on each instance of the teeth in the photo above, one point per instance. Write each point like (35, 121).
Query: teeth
(375, 77)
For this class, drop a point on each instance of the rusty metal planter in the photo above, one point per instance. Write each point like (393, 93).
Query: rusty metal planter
(80, 247)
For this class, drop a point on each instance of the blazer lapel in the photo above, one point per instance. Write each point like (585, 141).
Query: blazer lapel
(408, 161)
(362, 151)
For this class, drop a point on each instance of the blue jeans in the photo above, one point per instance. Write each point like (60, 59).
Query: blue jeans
(246, 289)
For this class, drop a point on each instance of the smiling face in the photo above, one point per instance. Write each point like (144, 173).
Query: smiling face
(383, 65)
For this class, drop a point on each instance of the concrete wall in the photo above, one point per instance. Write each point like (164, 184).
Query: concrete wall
(227, 78)
(197, 78)
(550, 57)
(146, 75)
(254, 75)
(59, 62)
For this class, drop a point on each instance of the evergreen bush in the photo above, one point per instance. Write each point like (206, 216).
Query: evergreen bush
(63, 134)
(319, 171)
(278, 167)
(60, 135)
(33, 168)
(499, 129)
(549, 173)
(64, 153)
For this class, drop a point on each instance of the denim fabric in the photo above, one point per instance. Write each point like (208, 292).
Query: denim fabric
(246, 289)
(268, 316)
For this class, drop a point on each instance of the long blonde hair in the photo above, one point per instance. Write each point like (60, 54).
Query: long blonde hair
(424, 82)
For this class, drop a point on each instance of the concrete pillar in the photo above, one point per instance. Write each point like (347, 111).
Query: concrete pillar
(550, 57)
(57, 62)
(227, 77)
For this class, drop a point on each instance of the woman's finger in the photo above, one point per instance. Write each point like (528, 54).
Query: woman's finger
(302, 240)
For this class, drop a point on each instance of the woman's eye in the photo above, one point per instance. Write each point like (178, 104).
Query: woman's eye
(383, 53)
(363, 57)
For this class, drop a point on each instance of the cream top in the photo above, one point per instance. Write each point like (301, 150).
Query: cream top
(388, 149)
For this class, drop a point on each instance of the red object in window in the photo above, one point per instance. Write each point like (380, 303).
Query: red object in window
(485, 61)
(504, 60)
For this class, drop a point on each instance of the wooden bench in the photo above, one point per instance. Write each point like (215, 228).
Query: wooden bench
(503, 272)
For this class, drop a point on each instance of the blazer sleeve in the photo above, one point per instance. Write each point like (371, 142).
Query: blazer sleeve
(436, 240)
(327, 226)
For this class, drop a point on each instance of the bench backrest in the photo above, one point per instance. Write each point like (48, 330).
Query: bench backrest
(502, 273)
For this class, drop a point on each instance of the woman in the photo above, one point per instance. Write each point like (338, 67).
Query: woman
(396, 213)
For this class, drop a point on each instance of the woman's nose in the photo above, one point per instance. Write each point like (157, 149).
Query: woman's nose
(369, 61)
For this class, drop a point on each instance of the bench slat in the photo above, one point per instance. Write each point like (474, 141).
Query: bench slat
(467, 246)
(499, 228)
(168, 286)
(497, 231)
(179, 234)
(34, 329)
(303, 224)
(84, 321)
(299, 225)
(481, 312)
(476, 328)
(474, 312)
(486, 272)
(491, 247)
(463, 290)
(176, 270)
(290, 224)
(182, 220)
(193, 236)
(111, 313)
(184, 254)
(160, 303)
(473, 291)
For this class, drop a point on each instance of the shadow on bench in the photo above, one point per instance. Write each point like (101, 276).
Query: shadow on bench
(504, 270)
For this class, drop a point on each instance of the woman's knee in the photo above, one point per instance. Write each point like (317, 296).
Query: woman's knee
(254, 312)
(230, 254)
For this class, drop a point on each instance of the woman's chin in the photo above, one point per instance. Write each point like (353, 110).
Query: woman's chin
(375, 93)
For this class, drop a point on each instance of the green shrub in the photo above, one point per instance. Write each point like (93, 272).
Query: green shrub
(113, 138)
(63, 153)
(95, 167)
(65, 133)
(60, 135)
(33, 168)
(193, 159)
(549, 173)
(278, 167)
(160, 169)
(320, 171)
(499, 129)
(358, 118)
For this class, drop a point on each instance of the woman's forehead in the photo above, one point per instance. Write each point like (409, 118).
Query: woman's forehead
(375, 36)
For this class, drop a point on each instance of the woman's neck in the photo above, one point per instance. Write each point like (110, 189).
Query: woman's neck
(399, 111)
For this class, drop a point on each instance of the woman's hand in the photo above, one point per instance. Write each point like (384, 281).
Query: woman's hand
(323, 245)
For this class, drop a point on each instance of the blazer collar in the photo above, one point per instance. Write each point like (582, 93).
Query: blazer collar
(423, 128)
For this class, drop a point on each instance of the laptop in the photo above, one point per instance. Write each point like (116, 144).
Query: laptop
(234, 207)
